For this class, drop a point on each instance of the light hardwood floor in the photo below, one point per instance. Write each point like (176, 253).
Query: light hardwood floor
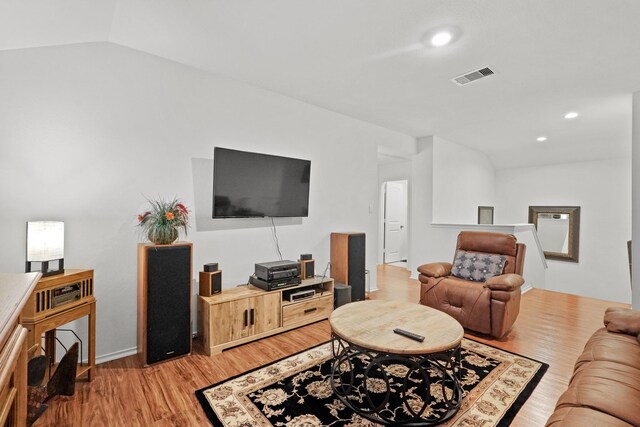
(552, 327)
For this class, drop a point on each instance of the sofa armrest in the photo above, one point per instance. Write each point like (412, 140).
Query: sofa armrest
(504, 282)
(622, 320)
(436, 269)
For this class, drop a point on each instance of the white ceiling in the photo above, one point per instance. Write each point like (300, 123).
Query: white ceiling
(34, 23)
(363, 58)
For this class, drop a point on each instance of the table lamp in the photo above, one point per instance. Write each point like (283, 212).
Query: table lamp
(45, 244)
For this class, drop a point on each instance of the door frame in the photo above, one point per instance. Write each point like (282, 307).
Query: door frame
(383, 217)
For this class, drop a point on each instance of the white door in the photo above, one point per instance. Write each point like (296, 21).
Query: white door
(395, 221)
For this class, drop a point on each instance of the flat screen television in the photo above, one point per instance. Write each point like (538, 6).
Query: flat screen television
(248, 185)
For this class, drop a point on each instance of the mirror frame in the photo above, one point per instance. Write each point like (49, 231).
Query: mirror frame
(485, 210)
(574, 230)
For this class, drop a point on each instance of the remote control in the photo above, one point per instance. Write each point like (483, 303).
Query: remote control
(408, 334)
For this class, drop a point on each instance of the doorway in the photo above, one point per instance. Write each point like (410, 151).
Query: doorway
(395, 233)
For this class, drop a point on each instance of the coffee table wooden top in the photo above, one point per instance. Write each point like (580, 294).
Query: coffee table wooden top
(370, 324)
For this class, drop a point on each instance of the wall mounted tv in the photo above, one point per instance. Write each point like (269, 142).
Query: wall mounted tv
(248, 185)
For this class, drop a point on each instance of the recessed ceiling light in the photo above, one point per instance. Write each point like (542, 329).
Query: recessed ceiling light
(442, 38)
(571, 115)
(541, 138)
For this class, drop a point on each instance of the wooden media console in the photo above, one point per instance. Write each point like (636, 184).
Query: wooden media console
(239, 315)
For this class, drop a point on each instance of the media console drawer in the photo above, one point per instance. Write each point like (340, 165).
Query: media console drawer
(299, 312)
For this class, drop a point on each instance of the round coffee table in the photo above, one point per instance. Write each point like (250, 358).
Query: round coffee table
(391, 379)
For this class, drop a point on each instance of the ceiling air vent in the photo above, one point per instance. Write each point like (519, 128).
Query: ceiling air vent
(472, 76)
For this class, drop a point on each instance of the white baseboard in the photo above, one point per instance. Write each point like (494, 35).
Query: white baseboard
(116, 355)
(526, 288)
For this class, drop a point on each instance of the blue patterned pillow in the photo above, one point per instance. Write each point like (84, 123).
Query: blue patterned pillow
(477, 267)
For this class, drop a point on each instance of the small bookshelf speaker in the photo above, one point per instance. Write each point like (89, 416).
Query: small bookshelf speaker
(210, 283)
(307, 269)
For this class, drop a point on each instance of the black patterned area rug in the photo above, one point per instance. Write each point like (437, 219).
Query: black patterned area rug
(296, 391)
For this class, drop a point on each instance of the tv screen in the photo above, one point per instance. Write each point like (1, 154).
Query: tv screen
(259, 185)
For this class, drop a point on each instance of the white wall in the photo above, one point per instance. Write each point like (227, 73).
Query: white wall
(420, 210)
(636, 200)
(463, 179)
(603, 191)
(442, 173)
(395, 171)
(87, 131)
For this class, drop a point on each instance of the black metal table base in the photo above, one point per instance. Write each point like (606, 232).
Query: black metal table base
(396, 389)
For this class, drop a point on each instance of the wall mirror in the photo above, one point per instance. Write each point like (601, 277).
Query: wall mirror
(558, 231)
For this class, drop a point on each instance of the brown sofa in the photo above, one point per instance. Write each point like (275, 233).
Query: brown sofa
(605, 387)
(489, 307)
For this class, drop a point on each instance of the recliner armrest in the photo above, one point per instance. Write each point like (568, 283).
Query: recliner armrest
(436, 269)
(504, 282)
(622, 320)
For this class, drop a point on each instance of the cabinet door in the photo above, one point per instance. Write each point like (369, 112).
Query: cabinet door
(229, 321)
(265, 312)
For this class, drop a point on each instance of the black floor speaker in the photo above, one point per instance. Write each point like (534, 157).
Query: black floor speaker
(348, 262)
(164, 301)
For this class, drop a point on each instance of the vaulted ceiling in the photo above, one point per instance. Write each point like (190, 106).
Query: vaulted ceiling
(364, 58)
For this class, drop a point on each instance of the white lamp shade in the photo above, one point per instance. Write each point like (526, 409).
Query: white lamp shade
(45, 240)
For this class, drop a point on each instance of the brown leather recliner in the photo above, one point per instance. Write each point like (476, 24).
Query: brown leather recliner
(489, 307)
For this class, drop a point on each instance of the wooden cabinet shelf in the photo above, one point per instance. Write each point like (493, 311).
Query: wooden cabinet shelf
(240, 315)
(43, 315)
(15, 290)
(316, 296)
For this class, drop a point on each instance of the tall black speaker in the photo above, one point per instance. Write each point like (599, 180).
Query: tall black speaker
(348, 262)
(164, 301)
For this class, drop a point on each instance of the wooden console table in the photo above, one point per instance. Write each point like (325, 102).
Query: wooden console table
(49, 308)
(243, 314)
(15, 290)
